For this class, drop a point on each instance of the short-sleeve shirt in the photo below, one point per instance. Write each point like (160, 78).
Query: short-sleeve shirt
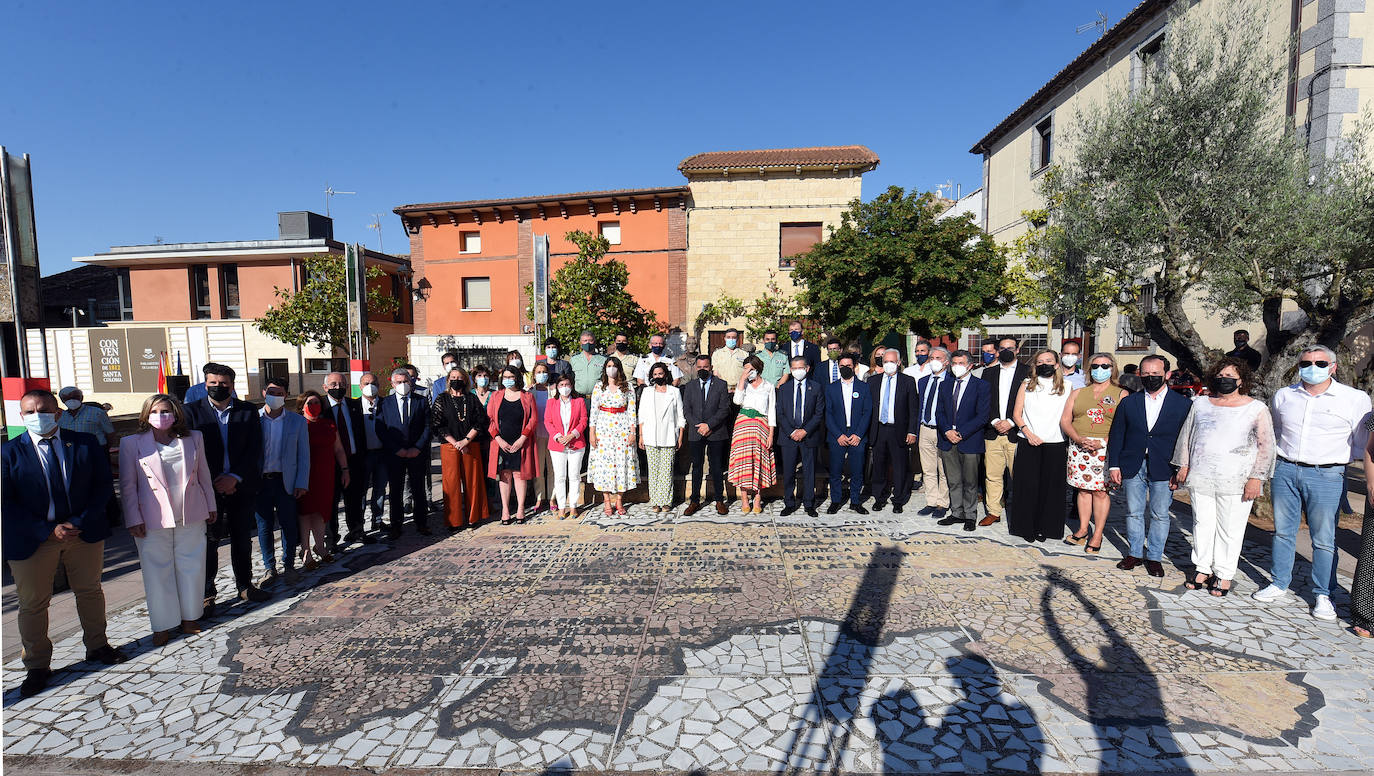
(729, 364)
(774, 364)
(586, 371)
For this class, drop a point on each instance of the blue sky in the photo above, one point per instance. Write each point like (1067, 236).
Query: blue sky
(199, 121)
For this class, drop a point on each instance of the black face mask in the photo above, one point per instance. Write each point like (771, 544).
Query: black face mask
(1223, 386)
(660, 380)
(457, 385)
(847, 372)
(1006, 355)
(1043, 370)
(335, 393)
(586, 347)
(1152, 383)
(1240, 343)
(217, 392)
(703, 374)
(622, 346)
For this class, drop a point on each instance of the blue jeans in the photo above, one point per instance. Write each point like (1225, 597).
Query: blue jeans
(1147, 538)
(274, 505)
(1297, 489)
(375, 474)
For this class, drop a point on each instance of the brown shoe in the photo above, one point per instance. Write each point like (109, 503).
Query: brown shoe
(1155, 568)
(160, 638)
(1128, 563)
(692, 508)
(190, 627)
(721, 509)
(989, 520)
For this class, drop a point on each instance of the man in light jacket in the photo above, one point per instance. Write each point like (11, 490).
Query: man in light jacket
(285, 478)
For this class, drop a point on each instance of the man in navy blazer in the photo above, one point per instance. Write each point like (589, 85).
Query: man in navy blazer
(962, 411)
(232, 431)
(1140, 447)
(798, 346)
(403, 427)
(848, 414)
(801, 411)
(896, 423)
(56, 484)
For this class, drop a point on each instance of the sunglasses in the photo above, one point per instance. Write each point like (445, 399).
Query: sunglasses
(1318, 364)
(1103, 365)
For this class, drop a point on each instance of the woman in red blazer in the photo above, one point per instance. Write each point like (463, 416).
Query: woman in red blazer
(513, 416)
(565, 418)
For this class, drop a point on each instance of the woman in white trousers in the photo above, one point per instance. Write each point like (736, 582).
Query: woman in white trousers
(168, 499)
(565, 419)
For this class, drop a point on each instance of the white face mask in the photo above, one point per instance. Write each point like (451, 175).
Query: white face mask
(370, 390)
(936, 366)
(518, 363)
(401, 389)
(798, 374)
(890, 367)
(752, 374)
(611, 371)
(1070, 361)
(565, 391)
(959, 370)
(73, 404)
(274, 403)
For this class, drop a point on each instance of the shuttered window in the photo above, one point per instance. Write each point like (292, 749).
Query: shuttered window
(796, 239)
(476, 293)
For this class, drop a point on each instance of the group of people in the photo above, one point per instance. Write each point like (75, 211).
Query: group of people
(1061, 430)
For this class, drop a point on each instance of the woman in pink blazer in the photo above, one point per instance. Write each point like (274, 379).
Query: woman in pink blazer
(166, 491)
(565, 418)
(513, 417)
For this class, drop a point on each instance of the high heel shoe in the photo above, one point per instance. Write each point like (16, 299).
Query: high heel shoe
(1092, 549)
(1075, 539)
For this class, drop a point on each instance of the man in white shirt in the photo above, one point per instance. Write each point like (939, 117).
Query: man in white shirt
(348, 419)
(1003, 378)
(656, 355)
(1071, 362)
(285, 478)
(920, 362)
(374, 463)
(928, 442)
(1319, 428)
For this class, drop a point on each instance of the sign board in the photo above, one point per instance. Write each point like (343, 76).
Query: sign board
(355, 285)
(541, 280)
(110, 372)
(146, 346)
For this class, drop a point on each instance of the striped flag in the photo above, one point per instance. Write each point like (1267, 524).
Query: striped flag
(162, 372)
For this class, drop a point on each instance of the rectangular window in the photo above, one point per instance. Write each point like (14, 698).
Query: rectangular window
(126, 294)
(1146, 63)
(477, 294)
(229, 289)
(1043, 149)
(199, 275)
(323, 366)
(1127, 338)
(274, 367)
(472, 242)
(611, 231)
(796, 239)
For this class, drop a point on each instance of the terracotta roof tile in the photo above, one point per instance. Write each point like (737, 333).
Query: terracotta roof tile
(849, 155)
(509, 201)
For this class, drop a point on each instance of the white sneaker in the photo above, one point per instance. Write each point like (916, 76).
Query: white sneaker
(1268, 594)
(1323, 610)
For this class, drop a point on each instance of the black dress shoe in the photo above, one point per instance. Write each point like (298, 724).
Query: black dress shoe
(424, 531)
(255, 595)
(365, 539)
(916, 485)
(811, 511)
(858, 509)
(1154, 568)
(834, 508)
(394, 534)
(106, 654)
(927, 510)
(209, 608)
(950, 520)
(787, 511)
(35, 682)
(969, 525)
(879, 504)
(896, 509)
(939, 514)
(1128, 563)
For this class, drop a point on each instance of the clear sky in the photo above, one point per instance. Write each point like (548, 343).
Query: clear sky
(196, 121)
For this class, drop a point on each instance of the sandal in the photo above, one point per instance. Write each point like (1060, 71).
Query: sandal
(620, 510)
(1220, 592)
(1075, 539)
(1198, 584)
(1092, 549)
(1362, 632)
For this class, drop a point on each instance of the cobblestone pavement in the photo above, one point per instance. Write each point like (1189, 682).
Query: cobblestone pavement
(738, 643)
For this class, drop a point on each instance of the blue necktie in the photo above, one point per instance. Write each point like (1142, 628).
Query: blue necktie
(62, 508)
(932, 387)
(798, 401)
(887, 400)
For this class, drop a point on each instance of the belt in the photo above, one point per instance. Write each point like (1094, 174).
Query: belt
(611, 409)
(751, 413)
(929, 425)
(271, 475)
(1314, 465)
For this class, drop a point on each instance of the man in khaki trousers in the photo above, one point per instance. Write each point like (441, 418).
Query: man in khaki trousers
(933, 482)
(1004, 377)
(56, 484)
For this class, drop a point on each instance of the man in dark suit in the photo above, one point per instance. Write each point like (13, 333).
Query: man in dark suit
(348, 419)
(848, 416)
(896, 423)
(1243, 351)
(1140, 447)
(801, 412)
(56, 485)
(1000, 435)
(404, 430)
(798, 346)
(233, 448)
(707, 407)
(963, 409)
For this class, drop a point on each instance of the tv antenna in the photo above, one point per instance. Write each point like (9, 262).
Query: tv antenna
(377, 225)
(947, 186)
(1100, 25)
(329, 193)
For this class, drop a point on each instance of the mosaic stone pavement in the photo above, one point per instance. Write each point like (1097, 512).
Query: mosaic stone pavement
(881, 643)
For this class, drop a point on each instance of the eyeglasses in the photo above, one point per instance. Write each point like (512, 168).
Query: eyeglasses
(1318, 364)
(1102, 365)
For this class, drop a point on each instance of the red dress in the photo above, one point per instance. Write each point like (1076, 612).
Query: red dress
(319, 499)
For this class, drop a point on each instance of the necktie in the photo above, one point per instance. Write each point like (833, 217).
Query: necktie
(705, 389)
(405, 410)
(928, 415)
(958, 394)
(343, 428)
(797, 401)
(887, 400)
(834, 371)
(62, 508)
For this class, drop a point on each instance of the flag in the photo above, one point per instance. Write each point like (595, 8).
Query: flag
(179, 372)
(162, 372)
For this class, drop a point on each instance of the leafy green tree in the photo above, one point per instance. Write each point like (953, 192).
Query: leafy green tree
(1194, 182)
(317, 314)
(773, 309)
(1044, 279)
(895, 265)
(588, 293)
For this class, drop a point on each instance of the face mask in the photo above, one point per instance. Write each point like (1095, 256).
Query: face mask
(518, 363)
(312, 410)
(565, 391)
(1070, 361)
(457, 386)
(541, 377)
(795, 336)
(1240, 343)
(1102, 374)
(551, 352)
(959, 370)
(1006, 355)
(1152, 383)
(770, 346)
(586, 347)
(217, 392)
(730, 342)
(622, 347)
(703, 374)
(937, 366)
(448, 366)
(660, 380)
(834, 354)
(612, 371)
(508, 382)
(751, 376)
(73, 404)
(41, 423)
(1224, 385)
(162, 420)
(890, 367)
(481, 381)
(401, 389)
(1314, 375)
(335, 393)
(988, 358)
(273, 403)
(847, 372)
(798, 374)
(922, 358)
(656, 349)
(370, 390)
(1044, 370)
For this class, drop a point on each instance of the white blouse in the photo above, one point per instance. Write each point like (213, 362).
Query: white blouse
(660, 416)
(1042, 409)
(1225, 446)
(760, 399)
(174, 471)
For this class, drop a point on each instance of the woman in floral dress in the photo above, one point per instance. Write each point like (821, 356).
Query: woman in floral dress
(613, 464)
(1086, 422)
